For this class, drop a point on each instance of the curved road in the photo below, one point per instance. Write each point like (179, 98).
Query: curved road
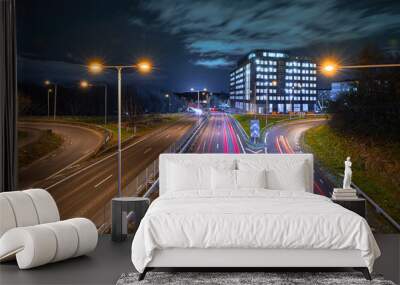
(221, 135)
(86, 189)
(285, 138)
(79, 142)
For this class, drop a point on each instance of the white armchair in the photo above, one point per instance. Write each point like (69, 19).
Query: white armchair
(31, 230)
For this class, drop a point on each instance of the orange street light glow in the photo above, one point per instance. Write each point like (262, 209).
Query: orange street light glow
(95, 67)
(144, 66)
(329, 68)
(47, 82)
(84, 84)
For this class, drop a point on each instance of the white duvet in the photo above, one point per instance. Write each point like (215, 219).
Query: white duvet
(250, 219)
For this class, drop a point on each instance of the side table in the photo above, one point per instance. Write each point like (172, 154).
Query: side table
(358, 205)
(120, 208)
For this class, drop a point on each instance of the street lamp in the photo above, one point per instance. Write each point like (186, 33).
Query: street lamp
(97, 67)
(84, 84)
(198, 97)
(48, 83)
(169, 102)
(48, 102)
(329, 67)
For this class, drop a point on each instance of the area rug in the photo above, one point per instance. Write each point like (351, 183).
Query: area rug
(243, 278)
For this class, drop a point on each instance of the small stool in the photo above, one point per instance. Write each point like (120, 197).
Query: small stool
(120, 208)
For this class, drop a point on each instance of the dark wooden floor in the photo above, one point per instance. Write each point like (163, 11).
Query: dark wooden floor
(110, 260)
(103, 266)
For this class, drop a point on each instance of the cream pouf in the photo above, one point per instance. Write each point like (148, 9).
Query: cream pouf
(31, 230)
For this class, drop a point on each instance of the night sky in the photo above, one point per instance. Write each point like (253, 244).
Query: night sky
(191, 43)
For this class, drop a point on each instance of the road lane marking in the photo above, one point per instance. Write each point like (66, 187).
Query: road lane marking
(241, 145)
(102, 181)
(147, 150)
(59, 175)
(103, 159)
(74, 166)
(217, 145)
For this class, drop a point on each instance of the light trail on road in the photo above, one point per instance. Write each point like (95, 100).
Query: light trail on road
(283, 137)
(217, 136)
(88, 190)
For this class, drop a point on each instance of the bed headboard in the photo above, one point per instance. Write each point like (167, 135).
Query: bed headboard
(208, 158)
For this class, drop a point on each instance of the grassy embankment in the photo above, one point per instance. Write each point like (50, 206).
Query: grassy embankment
(22, 135)
(244, 120)
(144, 124)
(376, 164)
(47, 143)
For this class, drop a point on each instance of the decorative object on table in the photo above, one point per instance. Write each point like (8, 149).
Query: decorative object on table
(357, 205)
(345, 193)
(31, 230)
(347, 174)
(126, 210)
(244, 278)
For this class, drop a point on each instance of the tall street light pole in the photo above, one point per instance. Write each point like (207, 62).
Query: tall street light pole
(55, 85)
(48, 102)
(55, 101)
(198, 99)
(169, 102)
(105, 104)
(96, 67)
(85, 84)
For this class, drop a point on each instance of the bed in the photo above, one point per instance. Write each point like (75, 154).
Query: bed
(242, 211)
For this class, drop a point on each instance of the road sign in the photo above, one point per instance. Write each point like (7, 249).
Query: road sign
(255, 128)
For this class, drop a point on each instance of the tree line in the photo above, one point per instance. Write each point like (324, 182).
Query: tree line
(372, 108)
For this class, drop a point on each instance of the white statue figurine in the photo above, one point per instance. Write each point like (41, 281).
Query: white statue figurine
(347, 174)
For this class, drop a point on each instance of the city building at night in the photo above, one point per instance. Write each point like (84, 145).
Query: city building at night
(341, 87)
(285, 83)
(323, 97)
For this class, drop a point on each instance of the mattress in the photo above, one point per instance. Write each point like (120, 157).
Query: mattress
(250, 219)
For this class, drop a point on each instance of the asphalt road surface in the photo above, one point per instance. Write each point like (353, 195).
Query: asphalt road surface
(86, 189)
(79, 143)
(285, 138)
(217, 136)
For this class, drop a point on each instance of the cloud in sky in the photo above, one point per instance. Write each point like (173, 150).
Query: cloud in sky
(214, 62)
(214, 29)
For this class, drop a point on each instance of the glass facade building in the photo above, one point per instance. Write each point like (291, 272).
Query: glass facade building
(274, 79)
(342, 87)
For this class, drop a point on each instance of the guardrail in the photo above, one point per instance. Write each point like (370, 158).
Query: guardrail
(185, 145)
(377, 208)
(146, 182)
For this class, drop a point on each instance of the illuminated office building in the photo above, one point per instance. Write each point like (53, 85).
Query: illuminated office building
(284, 83)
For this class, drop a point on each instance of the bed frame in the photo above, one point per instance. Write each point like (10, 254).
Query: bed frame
(243, 259)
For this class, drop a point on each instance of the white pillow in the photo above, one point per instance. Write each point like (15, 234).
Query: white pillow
(223, 179)
(184, 178)
(251, 178)
(292, 180)
(282, 173)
